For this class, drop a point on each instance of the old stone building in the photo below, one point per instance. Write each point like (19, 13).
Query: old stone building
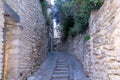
(100, 55)
(23, 38)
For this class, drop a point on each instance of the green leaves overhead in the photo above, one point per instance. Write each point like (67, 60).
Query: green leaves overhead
(77, 13)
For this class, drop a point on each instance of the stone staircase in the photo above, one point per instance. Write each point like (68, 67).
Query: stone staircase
(59, 66)
(62, 69)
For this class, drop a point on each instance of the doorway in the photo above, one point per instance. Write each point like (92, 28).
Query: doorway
(11, 44)
(11, 48)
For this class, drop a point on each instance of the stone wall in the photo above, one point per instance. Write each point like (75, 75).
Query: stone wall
(1, 39)
(100, 56)
(27, 40)
(33, 38)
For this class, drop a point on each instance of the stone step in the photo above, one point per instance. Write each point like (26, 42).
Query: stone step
(60, 76)
(62, 64)
(60, 79)
(62, 69)
(62, 60)
(61, 72)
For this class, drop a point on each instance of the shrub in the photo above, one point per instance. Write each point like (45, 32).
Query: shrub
(87, 37)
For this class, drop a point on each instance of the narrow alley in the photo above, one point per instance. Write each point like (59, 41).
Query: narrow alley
(59, 39)
(59, 66)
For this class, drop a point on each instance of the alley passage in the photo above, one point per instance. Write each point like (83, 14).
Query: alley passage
(59, 66)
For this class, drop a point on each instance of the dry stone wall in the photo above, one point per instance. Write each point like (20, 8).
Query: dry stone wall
(29, 47)
(100, 55)
(1, 39)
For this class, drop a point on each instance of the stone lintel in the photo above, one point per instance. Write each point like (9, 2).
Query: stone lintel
(11, 13)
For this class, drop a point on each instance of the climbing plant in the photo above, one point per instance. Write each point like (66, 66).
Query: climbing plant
(44, 5)
(73, 15)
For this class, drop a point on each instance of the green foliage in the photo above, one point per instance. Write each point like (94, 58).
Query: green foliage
(87, 37)
(72, 32)
(74, 15)
(49, 17)
(44, 5)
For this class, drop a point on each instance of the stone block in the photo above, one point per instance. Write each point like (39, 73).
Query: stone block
(118, 58)
(109, 47)
(1, 64)
(117, 32)
(113, 65)
(1, 56)
(110, 59)
(114, 72)
(114, 77)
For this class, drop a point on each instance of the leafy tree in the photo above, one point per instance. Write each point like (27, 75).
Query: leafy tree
(74, 15)
(45, 7)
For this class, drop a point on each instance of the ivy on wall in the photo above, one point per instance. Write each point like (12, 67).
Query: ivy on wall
(73, 15)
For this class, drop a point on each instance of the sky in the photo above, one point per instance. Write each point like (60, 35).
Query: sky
(56, 32)
(52, 2)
